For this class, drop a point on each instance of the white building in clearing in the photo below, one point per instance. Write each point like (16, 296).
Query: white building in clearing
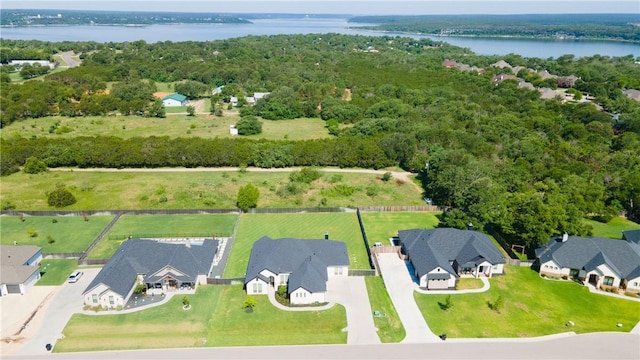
(174, 99)
(304, 266)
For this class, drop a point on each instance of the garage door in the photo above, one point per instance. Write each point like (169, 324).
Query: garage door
(13, 289)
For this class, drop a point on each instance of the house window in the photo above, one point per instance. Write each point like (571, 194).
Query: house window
(338, 270)
(495, 267)
(257, 287)
(608, 280)
(635, 283)
(284, 278)
(111, 300)
(94, 298)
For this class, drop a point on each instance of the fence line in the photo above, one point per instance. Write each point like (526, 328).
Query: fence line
(399, 208)
(362, 272)
(365, 238)
(118, 212)
(164, 236)
(518, 262)
(231, 281)
(300, 210)
(57, 255)
(94, 261)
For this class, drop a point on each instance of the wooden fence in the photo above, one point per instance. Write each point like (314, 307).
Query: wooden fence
(70, 255)
(232, 281)
(362, 272)
(399, 208)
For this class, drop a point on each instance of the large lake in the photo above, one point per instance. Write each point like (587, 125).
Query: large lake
(203, 32)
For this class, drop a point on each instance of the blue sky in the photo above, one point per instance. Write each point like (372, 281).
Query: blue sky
(359, 7)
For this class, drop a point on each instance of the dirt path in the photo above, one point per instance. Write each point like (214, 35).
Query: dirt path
(405, 176)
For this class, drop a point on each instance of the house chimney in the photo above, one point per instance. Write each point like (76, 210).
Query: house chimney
(565, 237)
(470, 226)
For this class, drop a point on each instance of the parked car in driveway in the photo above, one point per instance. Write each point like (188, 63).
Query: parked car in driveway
(75, 276)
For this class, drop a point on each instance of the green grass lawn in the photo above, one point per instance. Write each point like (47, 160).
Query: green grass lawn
(162, 226)
(532, 307)
(203, 126)
(216, 318)
(188, 190)
(384, 225)
(56, 271)
(469, 283)
(341, 226)
(71, 233)
(175, 109)
(390, 329)
(613, 229)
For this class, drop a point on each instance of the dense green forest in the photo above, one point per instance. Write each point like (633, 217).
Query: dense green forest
(493, 154)
(624, 27)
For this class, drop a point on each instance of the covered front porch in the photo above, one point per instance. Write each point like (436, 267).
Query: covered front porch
(170, 283)
(472, 269)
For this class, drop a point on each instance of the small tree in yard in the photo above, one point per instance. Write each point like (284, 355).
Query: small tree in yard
(497, 304)
(249, 304)
(191, 110)
(447, 304)
(248, 197)
(61, 197)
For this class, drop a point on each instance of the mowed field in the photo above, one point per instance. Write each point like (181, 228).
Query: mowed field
(173, 126)
(381, 226)
(193, 189)
(70, 233)
(162, 226)
(216, 318)
(613, 229)
(341, 226)
(532, 306)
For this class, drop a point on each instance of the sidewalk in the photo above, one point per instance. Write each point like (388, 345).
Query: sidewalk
(484, 288)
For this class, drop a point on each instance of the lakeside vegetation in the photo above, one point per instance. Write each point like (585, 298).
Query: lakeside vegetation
(613, 27)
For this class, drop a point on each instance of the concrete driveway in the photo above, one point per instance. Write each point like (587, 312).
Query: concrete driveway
(351, 292)
(54, 316)
(400, 287)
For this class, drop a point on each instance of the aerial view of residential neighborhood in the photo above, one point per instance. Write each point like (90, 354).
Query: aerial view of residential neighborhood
(320, 179)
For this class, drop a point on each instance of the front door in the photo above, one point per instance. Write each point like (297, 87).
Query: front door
(593, 279)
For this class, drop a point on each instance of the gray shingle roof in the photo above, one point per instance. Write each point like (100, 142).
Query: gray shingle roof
(12, 263)
(305, 260)
(632, 235)
(147, 257)
(623, 257)
(429, 249)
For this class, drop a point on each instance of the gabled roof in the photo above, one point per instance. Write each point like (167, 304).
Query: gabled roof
(429, 249)
(632, 235)
(623, 257)
(146, 257)
(12, 263)
(305, 260)
(176, 97)
(501, 64)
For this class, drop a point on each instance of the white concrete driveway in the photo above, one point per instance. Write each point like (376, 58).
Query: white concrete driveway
(55, 315)
(351, 292)
(400, 287)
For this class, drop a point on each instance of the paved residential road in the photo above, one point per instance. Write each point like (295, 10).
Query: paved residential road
(619, 346)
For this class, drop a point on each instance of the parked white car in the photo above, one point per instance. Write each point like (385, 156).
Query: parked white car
(75, 276)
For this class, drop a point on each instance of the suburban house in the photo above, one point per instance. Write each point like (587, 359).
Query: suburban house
(252, 100)
(598, 261)
(174, 99)
(20, 63)
(440, 256)
(567, 81)
(304, 266)
(19, 268)
(503, 77)
(161, 266)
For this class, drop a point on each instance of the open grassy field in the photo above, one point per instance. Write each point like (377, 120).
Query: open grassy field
(203, 126)
(175, 109)
(216, 318)
(341, 226)
(189, 190)
(532, 307)
(384, 225)
(56, 271)
(390, 329)
(613, 229)
(162, 226)
(71, 233)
